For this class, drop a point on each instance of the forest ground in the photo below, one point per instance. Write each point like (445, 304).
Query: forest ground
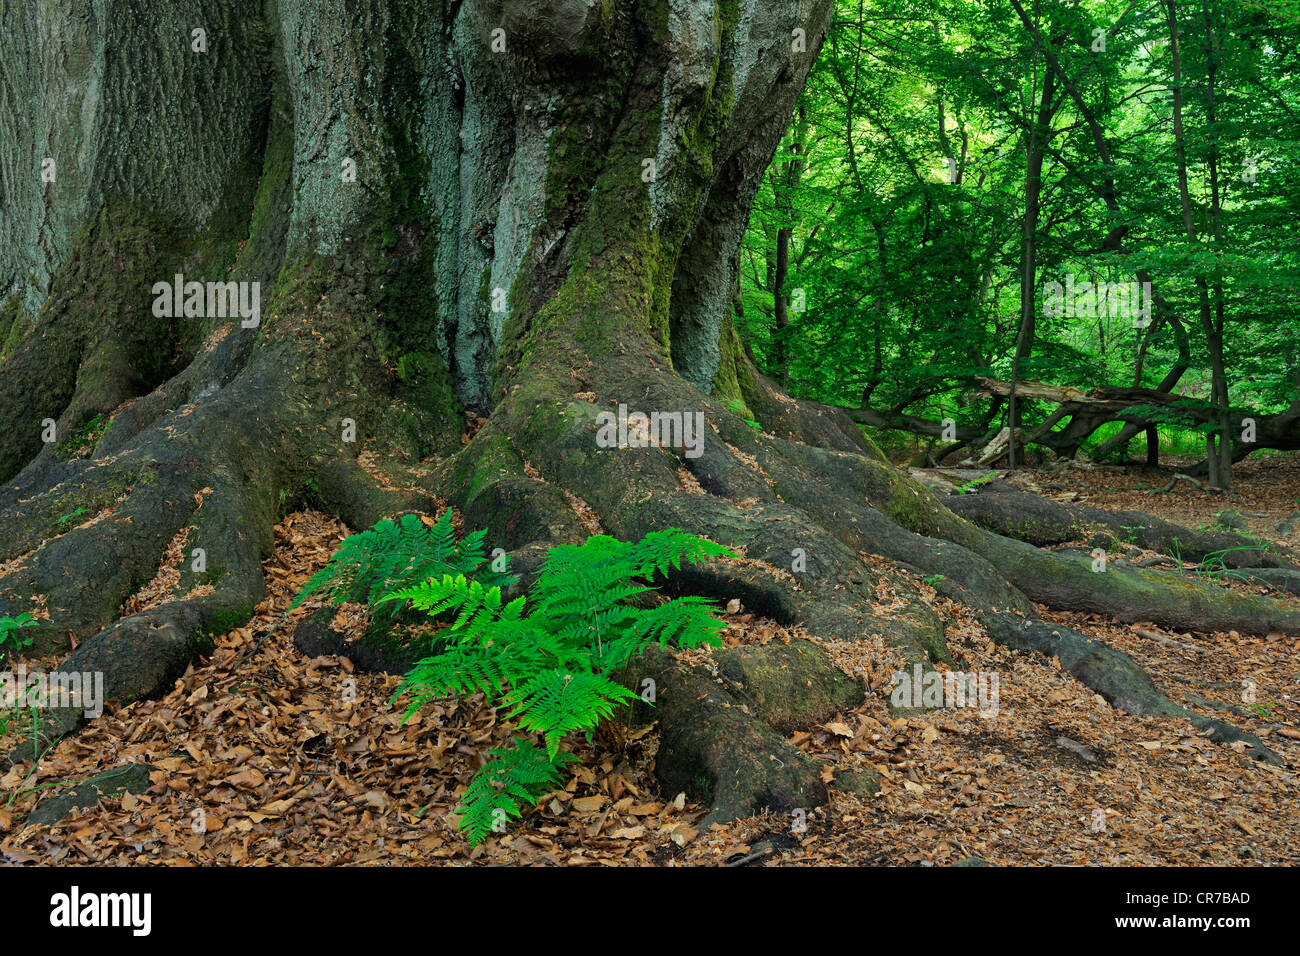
(290, 762)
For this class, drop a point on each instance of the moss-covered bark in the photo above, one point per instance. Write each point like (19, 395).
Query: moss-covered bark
(1040, 521)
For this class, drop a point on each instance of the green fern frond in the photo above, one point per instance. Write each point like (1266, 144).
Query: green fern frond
(465, 669)
(685, 621)
(513, 778)
(555, 704)
(661, 551)
(549, 656)
(487, 664)
(436, 596)
(396, 555)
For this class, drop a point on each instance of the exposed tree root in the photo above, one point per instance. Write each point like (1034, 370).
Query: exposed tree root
(776, 497)
(800, 514)
(717, 747)
(1009, 511)
(223, 459)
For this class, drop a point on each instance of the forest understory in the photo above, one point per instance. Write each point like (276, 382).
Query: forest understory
(255, 741)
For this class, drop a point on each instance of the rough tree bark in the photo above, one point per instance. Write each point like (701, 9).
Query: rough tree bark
(548, 200)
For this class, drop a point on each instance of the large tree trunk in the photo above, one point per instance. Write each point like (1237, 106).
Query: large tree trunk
(548, 200)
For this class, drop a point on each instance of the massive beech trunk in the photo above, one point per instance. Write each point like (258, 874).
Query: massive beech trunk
(543, 224)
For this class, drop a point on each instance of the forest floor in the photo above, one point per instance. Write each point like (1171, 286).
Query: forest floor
(263, 756)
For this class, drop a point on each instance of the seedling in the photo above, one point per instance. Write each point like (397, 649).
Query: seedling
(64, 519)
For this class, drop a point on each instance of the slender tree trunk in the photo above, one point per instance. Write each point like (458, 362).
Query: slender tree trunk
(882, 313)
(1037, 143)
(780, 310)
(788, 183)
(1219, 476)
(1221, 375)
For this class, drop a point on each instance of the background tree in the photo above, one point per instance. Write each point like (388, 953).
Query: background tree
(1091, 85)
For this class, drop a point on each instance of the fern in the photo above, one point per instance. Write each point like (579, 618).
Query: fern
(394, 556)
(512, 779)
(555, 704)
(687, 622)
(549, 656)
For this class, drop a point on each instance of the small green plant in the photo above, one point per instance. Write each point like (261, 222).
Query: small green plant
(976, 483)
(1266, 711)
(549, 656)
(1130, 532)
(9, 723)
(10, 627)
(64, 519)
(11, 717)
(84, 439)
(932, 579)
(739, 408)
(1214, 568)
(12, 640)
